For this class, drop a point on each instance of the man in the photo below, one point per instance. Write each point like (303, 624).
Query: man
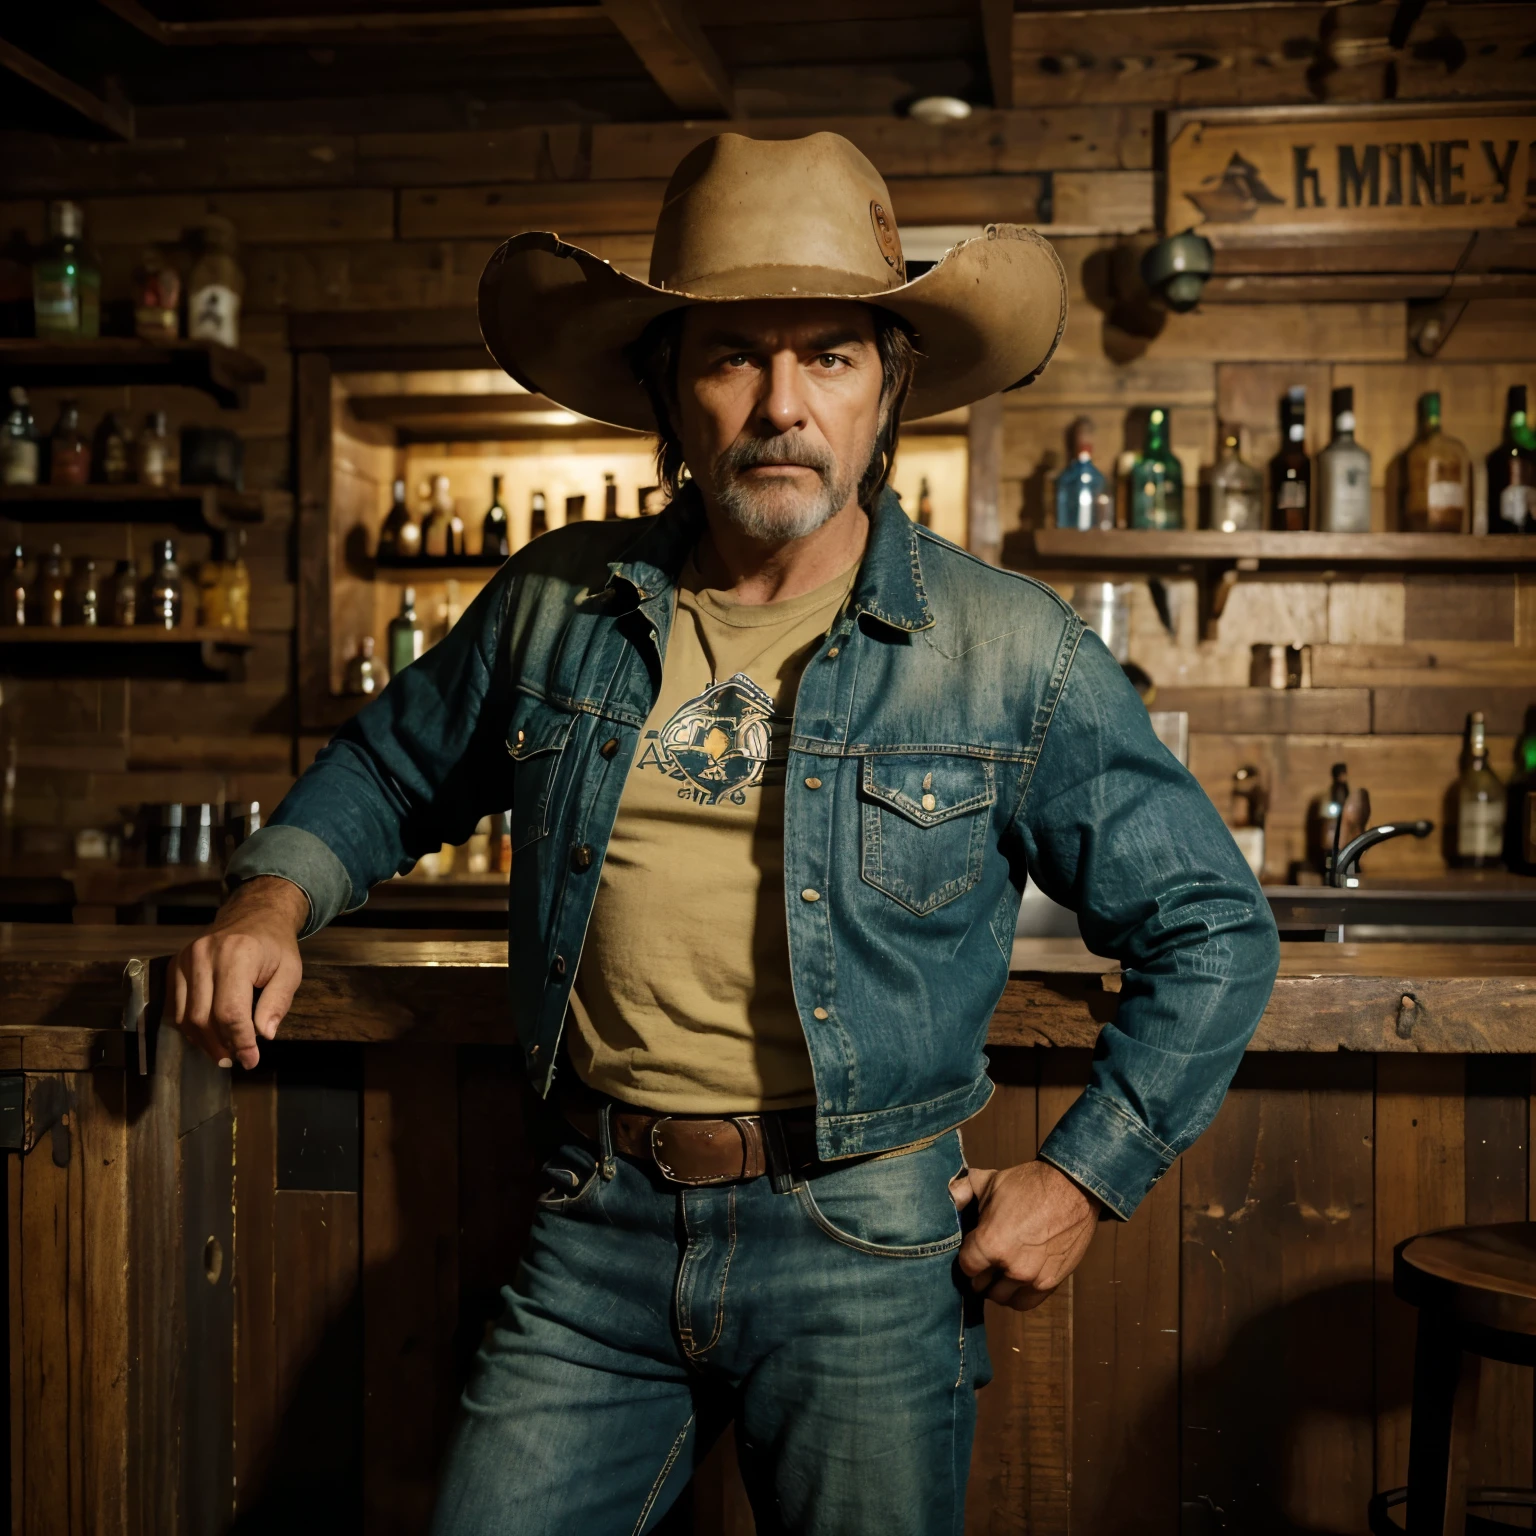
(779, 764)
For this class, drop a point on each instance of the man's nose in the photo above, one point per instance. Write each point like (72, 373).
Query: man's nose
(781, 407)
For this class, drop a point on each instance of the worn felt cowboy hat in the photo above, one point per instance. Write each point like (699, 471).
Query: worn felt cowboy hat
(756, 219)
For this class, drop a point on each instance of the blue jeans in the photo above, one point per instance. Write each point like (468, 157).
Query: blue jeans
(823, 1312)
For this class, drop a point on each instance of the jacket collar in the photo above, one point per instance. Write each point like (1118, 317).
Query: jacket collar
(889, 586)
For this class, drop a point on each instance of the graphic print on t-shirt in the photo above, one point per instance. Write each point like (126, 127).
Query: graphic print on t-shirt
(717, 744)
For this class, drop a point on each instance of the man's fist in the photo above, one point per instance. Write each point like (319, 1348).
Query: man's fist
(1033, 1226)
(253, 945)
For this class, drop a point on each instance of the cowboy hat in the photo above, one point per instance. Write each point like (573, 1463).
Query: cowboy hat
(753, 219)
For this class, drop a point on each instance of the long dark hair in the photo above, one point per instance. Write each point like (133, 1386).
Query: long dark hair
(653, 357)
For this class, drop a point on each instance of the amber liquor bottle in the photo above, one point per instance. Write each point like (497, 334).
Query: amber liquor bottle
(1439, 472)
(1290, 471)
(1480, 805)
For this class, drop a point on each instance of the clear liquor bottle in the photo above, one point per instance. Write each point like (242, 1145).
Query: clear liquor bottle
(407, 639)
(495, 540)
(399, 533)
(1480, 804)
(1082, 493)
(1237, 489)
(538, 515)
(163, 608)
(1436, 492)
(1157, 479)
(1344, 474)
(14, 612)
(18, 443)
(48, 591)
(1290, 471)
(442, 530)
(1512, 471)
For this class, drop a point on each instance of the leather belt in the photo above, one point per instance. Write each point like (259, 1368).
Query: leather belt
(704, 1149)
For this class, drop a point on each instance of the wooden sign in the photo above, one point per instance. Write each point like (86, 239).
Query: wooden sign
(1232, 175)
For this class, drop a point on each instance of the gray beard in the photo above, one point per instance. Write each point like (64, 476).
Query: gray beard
(770, 515)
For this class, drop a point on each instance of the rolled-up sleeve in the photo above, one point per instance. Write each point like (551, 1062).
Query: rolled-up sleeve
(1115, 828)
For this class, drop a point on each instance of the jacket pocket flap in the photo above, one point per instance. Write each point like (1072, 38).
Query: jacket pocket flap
(929, 787)
(536, 728)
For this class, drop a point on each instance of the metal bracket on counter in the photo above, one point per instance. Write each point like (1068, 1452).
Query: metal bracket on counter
(138, 1018)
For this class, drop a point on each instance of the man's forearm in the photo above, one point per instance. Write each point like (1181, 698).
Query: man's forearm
(266, 896)
(299, 860)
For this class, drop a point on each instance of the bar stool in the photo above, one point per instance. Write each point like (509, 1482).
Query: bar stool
(1475, 1288)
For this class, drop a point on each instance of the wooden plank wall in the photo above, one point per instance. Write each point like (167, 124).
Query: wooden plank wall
(1231, 1359)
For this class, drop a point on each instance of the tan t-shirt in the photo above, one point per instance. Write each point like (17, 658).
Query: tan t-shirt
(683, 1002)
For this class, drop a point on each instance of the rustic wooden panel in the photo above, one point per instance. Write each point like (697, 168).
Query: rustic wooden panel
(1443, 711)
(1366, 612)
(1270, 711)
(1003, 1465)
(1455, 607)
(255, 1280)
(1277, 1277)
(1445, 664)
(1111, 202)
(1248, 396)
(1492, 331)
(410, 1278)
(1420, 1185)
(571, 208)
(1497, 1156)
(1286, 333)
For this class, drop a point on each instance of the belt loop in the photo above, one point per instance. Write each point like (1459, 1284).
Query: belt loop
(609, 1164)
(781, 1173)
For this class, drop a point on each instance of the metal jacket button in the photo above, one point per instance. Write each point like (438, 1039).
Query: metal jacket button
(813, 783)
(819, 1013)
(581, 857)
(833, 652)
(609, 747)
(559, 965)
(809, 895)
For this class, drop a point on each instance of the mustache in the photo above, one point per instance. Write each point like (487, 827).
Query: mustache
(789, 448)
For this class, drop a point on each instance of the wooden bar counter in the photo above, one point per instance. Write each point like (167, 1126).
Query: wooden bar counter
(247, 1300)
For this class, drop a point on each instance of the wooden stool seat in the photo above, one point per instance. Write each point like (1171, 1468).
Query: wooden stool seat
(1475, 1288)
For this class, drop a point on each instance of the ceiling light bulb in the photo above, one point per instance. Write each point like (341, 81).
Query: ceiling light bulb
(939, 109)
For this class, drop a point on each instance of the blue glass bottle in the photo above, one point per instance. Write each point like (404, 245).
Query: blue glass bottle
(1082, 497)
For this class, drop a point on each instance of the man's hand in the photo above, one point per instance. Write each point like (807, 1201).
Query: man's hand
(253, 944)
(1032, 1229)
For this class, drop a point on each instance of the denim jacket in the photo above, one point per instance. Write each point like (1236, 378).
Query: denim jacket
(958, 731)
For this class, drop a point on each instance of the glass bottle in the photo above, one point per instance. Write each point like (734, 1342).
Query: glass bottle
(1325, 817)
(1082, 493)
(442, 530)
(216, 286)
(1512, 471)
(48, 591)
(407, 639)
(66, 282)
(399, 533)
(363, 672)
(610, 498)
(1436, 493)
(156, 296)
(924, 504)
(1479, 804)
(1245, 818)
(112, 457)
(1237, 489)
(163, 608)
(125, 594)
(1520, 819)
(84, 606)
(14, 612)
(495, 543)
(538, 515)
(153, 454)
(1344, 474)
(18, 442)
(1157, 479)
(69, 455)
(1290, 471)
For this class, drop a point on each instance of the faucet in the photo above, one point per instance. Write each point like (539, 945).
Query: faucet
(1342, 871)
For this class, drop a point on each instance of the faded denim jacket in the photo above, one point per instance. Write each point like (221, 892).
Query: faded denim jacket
(958, 731)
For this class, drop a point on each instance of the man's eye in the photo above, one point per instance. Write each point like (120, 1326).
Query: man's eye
(831, 360)
(737, 360)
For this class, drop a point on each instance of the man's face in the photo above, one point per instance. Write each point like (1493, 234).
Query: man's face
(778, 408)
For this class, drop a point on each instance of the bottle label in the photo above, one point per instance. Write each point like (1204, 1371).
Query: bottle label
(18, 461)
(55, 306)
(213, 314)
(1447, 496)
(1517, 505)
(1480, 829)
(1290, 494)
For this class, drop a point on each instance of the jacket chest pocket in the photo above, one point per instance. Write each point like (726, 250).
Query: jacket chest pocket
(925, 825)
(536, 740)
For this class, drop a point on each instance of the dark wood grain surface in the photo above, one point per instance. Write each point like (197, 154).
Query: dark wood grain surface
(1404, 998)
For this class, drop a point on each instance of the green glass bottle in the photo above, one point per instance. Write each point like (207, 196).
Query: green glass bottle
(1157, 479)
(66, 282)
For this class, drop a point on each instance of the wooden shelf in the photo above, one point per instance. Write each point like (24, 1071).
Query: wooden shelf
(1219, 560)
(498, 417)
(30, 649)
(425, 567)
(218, 371)
(208, 506)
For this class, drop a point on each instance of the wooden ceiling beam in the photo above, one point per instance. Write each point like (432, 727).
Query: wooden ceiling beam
(997, 35)
(115, 117)
(671, 45)
(386, 26)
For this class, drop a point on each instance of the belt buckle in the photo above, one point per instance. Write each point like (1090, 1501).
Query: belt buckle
(666, 1170)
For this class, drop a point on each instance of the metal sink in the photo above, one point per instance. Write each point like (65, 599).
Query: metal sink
(1311, 912)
